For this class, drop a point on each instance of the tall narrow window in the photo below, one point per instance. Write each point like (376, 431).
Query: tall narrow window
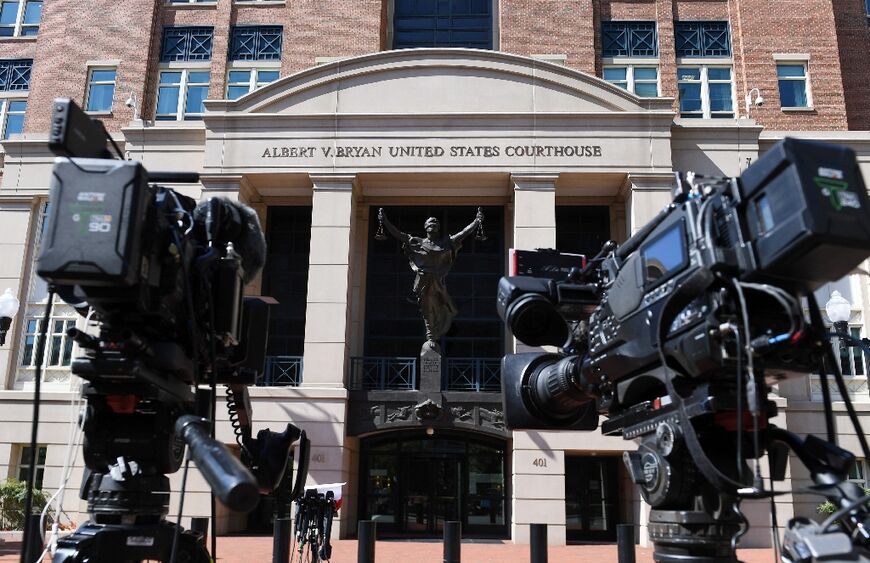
(101, 89)
(20, 18)
(793, 85)
(12, 116)
(442, 23)
(24, 456)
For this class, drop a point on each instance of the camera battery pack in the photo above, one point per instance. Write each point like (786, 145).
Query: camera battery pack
(807, 213)
(95, 223)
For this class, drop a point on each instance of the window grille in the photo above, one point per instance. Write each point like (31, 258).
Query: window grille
(256, 43)
(442, 23)
(702, 39)
(187, 44)
(15, 75)
(629, 39)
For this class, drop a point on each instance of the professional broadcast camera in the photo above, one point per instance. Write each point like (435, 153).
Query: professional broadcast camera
(677, 335)
(164, 276)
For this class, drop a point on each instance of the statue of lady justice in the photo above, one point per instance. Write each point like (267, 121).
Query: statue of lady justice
(431, 258)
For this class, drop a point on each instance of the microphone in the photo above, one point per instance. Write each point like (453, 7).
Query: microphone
(223, 220)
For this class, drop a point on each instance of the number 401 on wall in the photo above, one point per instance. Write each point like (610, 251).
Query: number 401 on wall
(539, 462)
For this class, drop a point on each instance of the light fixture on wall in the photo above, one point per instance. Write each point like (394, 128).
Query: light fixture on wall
(757, 101)
(8, 308)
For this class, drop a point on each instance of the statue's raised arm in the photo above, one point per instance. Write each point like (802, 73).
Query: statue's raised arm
(469, 230)
(396, 233)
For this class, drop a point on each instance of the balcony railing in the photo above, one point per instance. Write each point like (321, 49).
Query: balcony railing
(472, 374)
(281, 371)
(371, 373)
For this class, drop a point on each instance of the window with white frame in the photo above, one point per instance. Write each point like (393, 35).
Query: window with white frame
(57, 355)
(706, 91)
(20, 18)
(794, 91)
(642, 80)
(24, 455)
(101, 89)
(12, 116)
(858, 472)
(242, 81)
(180, 94)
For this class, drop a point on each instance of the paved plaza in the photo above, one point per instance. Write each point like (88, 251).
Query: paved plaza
(258, 549)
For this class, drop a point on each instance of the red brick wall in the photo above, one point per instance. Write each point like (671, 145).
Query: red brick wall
(131, 31)
(550, 26)
(70, 35)
(853, 34)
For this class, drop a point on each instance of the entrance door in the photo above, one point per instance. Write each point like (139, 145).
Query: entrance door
(591, 498)
(432, 494)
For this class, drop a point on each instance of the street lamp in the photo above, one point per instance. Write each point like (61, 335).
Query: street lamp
(839, 312)
(8, 308)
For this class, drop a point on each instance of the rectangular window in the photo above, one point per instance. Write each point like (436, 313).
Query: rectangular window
(12, 116)
(705, 91)
(629, 39)
(858, 472)
(58, 349)
(101, 89)
(256, 43)
(441, 23)
(640, 80)
(192, 1)
(24, 464)
(180, 94)
(20, 18)
(15, 74)
(242, 81)
(793, 85)
(702, 39)
(186, 44)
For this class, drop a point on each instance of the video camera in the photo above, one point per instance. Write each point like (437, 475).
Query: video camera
(165, 278)
(677, 334)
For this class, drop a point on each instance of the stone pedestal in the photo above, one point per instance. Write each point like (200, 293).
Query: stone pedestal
(430, 368)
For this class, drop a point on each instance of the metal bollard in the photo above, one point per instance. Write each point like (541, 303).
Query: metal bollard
(625, 542)
(538, 542)
(281, 541)
(366, 533)
(452, 541)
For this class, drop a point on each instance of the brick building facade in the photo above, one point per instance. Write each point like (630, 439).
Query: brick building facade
(317, 112)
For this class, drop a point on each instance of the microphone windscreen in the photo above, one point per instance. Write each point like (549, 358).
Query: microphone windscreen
(240, 225)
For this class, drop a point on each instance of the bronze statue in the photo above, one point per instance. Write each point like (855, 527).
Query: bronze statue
(431, 259)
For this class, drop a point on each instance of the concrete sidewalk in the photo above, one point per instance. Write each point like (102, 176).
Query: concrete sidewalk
(258, 549)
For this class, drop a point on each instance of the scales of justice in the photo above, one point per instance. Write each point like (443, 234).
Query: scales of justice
(431, 257)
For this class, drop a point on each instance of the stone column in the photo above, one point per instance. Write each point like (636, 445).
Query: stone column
(649, 194)
(534, 210)
(327, 316)
(538, 473)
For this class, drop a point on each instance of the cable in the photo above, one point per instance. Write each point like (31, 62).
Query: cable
(31, 476)
(751, 384)
(740, 472)
(843, 511)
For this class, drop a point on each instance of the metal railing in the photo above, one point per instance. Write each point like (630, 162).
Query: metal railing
(472, 374)
(373, 373)
(281, 371)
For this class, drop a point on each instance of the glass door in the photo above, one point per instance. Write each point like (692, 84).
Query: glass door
(591, 498)
(431, 496)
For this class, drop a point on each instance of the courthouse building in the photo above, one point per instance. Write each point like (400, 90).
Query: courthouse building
(563, 120)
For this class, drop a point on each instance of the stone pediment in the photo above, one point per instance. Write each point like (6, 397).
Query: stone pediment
(437, 81)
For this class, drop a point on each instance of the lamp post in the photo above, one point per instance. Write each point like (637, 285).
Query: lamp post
(839, 312)
(8, 308)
